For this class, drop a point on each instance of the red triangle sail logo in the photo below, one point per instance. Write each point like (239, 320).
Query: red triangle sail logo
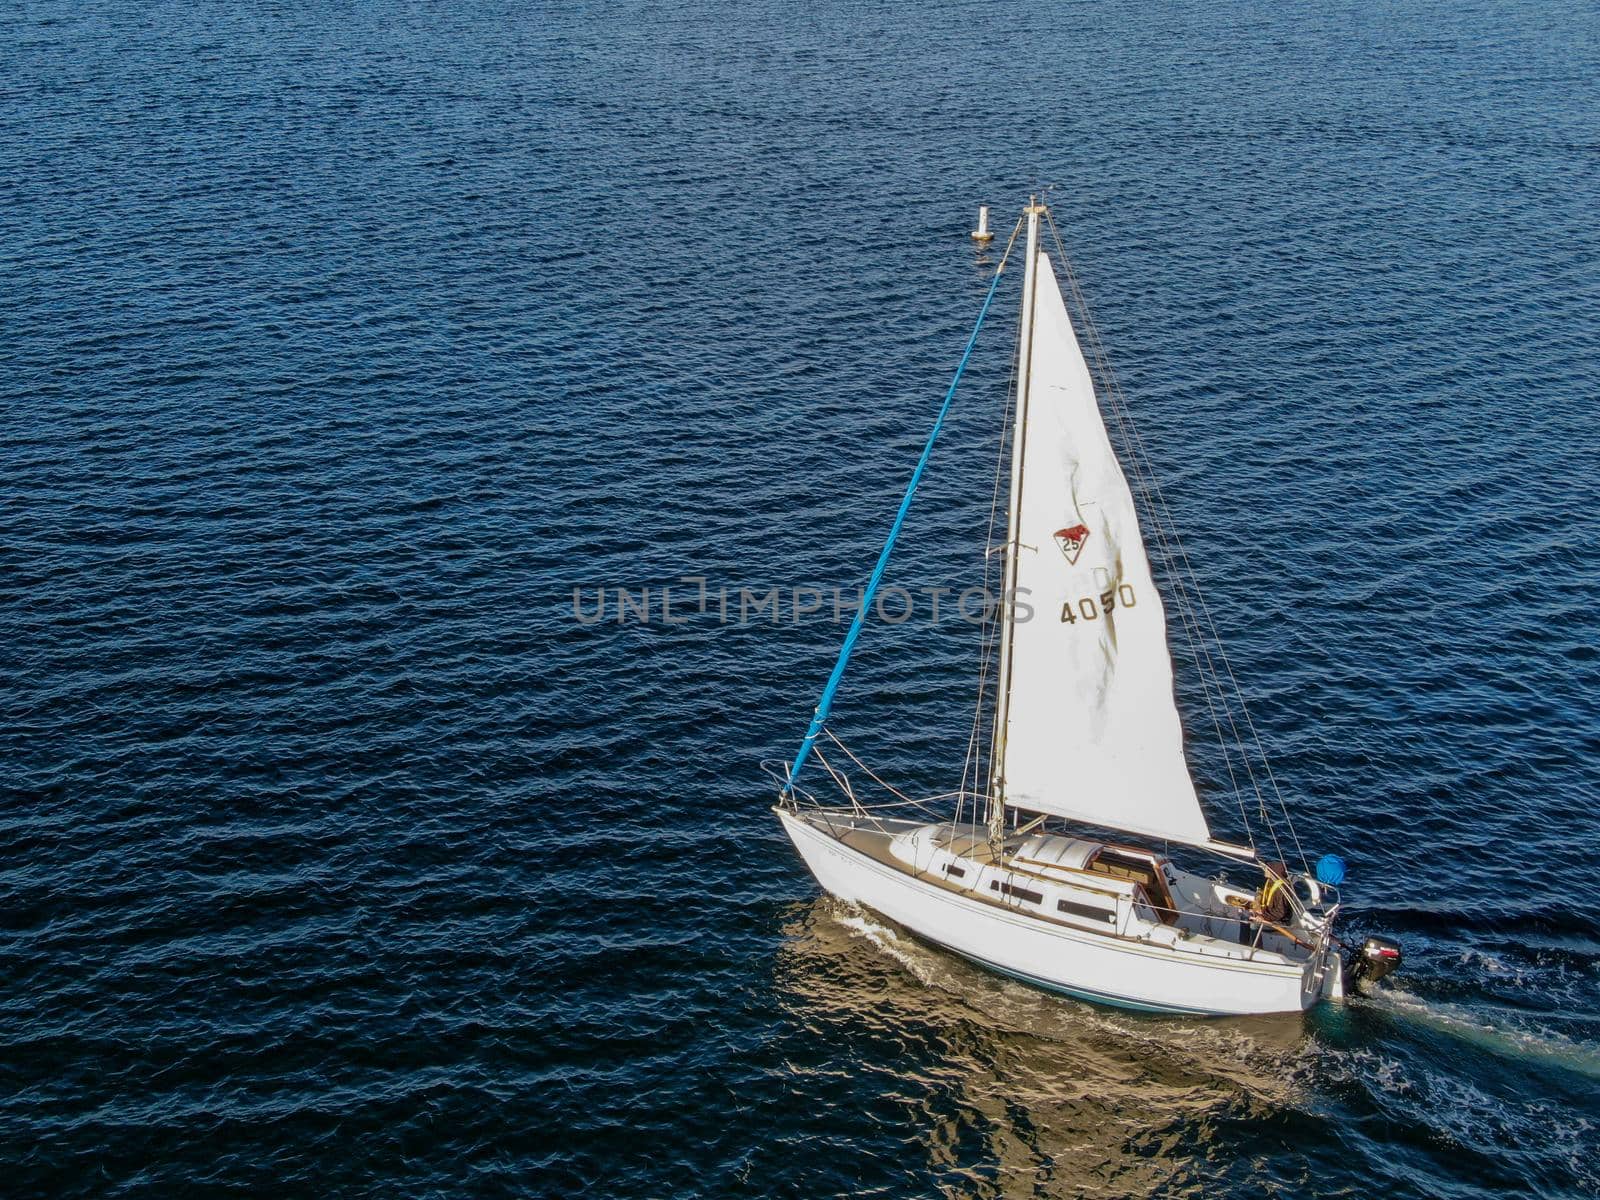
(1071, 541)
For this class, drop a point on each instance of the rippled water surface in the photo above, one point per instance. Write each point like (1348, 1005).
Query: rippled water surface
(338, 344)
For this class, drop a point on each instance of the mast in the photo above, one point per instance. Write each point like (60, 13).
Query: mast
(1019, 428)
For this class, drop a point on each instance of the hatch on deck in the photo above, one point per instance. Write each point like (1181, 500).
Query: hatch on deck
(1071, 853)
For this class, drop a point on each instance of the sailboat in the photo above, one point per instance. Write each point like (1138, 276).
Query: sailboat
(1057, 866)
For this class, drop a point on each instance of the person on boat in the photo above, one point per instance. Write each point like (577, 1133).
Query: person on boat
(1272, 901)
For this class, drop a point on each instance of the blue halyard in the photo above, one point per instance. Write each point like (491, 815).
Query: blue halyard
(823, 705)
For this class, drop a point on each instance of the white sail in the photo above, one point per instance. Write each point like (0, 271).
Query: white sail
(1091, 729)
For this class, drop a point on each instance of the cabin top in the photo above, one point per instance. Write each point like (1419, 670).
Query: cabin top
(1074, 854)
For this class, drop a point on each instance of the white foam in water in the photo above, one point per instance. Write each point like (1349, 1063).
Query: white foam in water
(1454, 1108)
(862, 925)
(1486, 1033)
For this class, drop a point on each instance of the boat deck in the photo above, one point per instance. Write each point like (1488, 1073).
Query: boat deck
(874, 844)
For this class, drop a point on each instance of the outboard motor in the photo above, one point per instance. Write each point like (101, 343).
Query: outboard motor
(1376, 958)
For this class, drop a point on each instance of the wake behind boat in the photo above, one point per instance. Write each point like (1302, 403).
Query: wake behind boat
(1085, 736)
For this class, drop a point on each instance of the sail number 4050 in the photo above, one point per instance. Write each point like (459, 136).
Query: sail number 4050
(1087, 608)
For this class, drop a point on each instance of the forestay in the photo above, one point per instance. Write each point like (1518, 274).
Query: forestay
(1092, 730)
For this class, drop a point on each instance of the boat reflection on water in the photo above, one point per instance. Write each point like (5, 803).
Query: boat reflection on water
(1016, 1092)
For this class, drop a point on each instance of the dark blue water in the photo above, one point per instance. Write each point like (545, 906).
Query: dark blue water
(338, 344)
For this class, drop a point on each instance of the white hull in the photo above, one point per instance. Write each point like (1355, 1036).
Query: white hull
(1106, 969)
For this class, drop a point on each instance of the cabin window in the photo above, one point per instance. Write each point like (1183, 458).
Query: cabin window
(1093, 911)
(952, 870)
(1015, 892)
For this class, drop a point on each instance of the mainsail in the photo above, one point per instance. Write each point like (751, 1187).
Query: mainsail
(1091, 728)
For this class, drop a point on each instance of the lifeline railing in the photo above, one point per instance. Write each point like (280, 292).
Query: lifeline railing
(790, 794)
